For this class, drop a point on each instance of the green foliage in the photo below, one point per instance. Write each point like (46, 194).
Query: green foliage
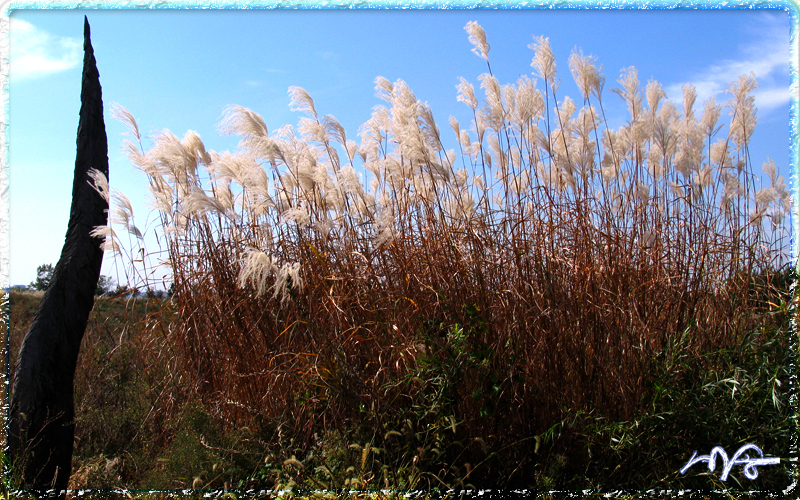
(105, 284)
(44, 274)
(203, 455)
(727, 398)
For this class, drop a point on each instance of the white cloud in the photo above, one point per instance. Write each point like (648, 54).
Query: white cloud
(35, 53)
(772, 98)
(767, 57)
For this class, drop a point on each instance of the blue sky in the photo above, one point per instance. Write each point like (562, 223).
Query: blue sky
(178, 69)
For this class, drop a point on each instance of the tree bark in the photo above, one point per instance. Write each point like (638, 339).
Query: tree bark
(41, 423)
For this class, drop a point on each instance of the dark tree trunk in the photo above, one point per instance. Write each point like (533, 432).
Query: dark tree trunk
(41, 425)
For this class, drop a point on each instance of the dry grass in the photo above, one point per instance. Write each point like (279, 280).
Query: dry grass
(536, 271)
(129, 393)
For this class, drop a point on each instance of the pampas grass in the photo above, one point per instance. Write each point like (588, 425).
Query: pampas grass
(549, 257)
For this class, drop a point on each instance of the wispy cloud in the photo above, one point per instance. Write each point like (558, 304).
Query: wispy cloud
(35, 52)
(766, 56)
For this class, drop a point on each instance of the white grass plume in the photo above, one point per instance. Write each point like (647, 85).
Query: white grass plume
(301, 101)
(242, 121)
(99, 182)
(477, 37)
(109, 239)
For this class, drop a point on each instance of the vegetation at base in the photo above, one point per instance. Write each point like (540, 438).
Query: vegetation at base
(555, 306)
(142, 426)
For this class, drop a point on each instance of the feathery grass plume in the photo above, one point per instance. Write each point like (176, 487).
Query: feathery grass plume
(586, 74)
(334, 129)
(430, 127)
(312, 130)
(383, 89)
(223, 194)
(352, 150)
(677, 190)
(121, 114)
(703, 177)
(654, 94)
(733, 189)
(711, 114)
(198, 202)
(477, 37)
(194, 149)
(122, 214)
(464, 140)
(643, 192)
(564, 112)
(257, 269)
(233, 167)
(109, 238)
(161, 196)
(466, 93)
(99, 183)
(689, 98)
(301, 101)
(769, 168)
(764, 198)
(244, 122)
(495, 110)
(718, 154)
(655, 159)
(586, 122)
(742, 109)
(666, 129)
(630, 92)
(348, 179)
(455, 126)
(783, 198)
(689, 153)
(529, 103)
(287, 281)
(298, 215)
(544, 62)
(169, 158)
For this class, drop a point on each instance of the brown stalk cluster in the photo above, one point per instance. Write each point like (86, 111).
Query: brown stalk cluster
(541, 266)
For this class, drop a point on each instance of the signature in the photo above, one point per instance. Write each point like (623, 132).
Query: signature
(750, 464)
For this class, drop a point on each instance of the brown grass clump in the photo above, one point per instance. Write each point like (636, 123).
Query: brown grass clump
(540, 267)
(129, 393)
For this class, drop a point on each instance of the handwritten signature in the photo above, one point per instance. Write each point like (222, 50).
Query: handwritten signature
(750, 464)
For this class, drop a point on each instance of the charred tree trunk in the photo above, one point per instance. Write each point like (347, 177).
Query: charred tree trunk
(41, 424)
